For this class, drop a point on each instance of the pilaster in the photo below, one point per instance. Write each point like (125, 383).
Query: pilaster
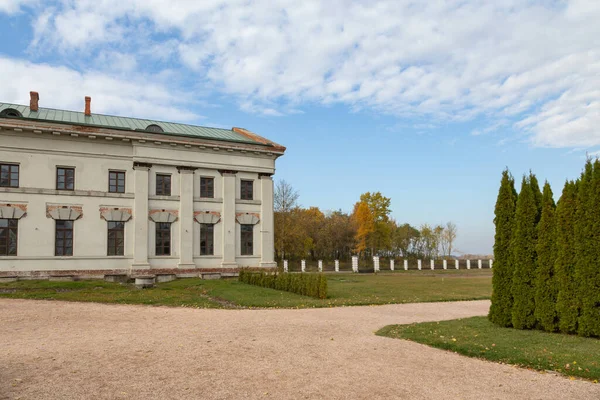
(140, 211)
(228, 220)
(267, 249)
(186, 217)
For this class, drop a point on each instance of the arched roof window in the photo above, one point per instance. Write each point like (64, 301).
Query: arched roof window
(10, 113)
(154, 128)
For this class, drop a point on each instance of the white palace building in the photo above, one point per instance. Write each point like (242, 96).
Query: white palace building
(92, 194)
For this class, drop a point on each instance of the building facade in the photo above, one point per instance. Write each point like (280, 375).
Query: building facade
(95, 193)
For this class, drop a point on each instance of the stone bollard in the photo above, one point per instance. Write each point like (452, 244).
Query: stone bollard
(468, 264)
(303, 265)
(419, 265)
(376, 264)
(432, 265)
(491, 262)
(337, 265)
(354, 263)
(406, 265)
(479, 264)
(456, 264)
(445, 262)
(391, 265)
(285, 265)
(320, 265)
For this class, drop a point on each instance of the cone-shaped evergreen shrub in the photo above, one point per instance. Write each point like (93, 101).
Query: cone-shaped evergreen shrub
(545, 283)
(501, 309)
(566, 303)
(587, 267)
(524, 253)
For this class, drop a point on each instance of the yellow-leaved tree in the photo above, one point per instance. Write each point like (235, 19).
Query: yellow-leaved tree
(365, 225)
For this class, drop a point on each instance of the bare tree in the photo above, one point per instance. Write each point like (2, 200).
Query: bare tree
(285, 199)
(449, 236)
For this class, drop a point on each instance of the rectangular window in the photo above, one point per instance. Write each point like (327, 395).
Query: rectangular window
(116, 238)
(163, 238)
(65, 178)
(207, 187)
(207, 239)
(63, 244)
(247, 239)
(163, 185)
(9, 175)
(8, 236)
(116, 181)
(246, 190)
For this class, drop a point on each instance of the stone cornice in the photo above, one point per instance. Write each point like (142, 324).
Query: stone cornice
(40, 127)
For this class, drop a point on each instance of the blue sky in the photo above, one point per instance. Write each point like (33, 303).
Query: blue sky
(426, 102)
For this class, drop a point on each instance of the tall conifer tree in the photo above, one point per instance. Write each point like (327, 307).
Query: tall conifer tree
(588, 270)
(582, 231)
(501, 309)
(524, 253)
(545, 282)
(567, 308)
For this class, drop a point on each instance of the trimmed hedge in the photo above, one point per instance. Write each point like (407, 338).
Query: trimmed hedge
(313, 285)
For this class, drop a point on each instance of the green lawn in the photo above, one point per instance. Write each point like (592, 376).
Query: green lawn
(477, 337)
(344, 290)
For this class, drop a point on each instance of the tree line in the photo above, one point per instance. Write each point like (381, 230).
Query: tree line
(547, 255)
(309, 233)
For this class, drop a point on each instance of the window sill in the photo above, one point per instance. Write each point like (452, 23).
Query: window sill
(159, 197)
(83, 193)
(208, 199)
(240, 201)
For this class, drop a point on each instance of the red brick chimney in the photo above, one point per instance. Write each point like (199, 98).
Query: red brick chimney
(88, 110)
(34, 98)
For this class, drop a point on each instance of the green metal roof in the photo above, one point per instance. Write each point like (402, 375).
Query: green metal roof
(125, 123)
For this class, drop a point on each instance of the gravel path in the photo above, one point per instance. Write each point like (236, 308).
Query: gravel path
(60, 350)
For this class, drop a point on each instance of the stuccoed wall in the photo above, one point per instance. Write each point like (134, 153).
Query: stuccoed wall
(38, 155)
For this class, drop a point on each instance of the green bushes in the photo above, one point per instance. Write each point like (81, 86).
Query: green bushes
(547, 257)
(313, 285)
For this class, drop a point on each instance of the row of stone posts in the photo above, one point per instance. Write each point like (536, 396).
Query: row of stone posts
(392, 265)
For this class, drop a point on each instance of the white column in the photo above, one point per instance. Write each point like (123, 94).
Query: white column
(354, 264)
(468, 264)
(267, 229)
(376, 264)
(491, 262)
(456, 262)
(228, 220)
(432, 264)
(479, 264)
(445, 264)
(186, 217)
(406, 265)
(419, 264)
(337, 265)
(320, 265)
(285, 265)
(140, 215)
(391, 265)
(303, 266)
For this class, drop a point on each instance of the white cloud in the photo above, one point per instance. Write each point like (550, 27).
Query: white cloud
(14, 6)
(534, 62)
(61, 87)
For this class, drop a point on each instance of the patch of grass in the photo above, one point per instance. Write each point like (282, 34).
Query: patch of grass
(343, 290)
(182, 293)
(477, 337)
